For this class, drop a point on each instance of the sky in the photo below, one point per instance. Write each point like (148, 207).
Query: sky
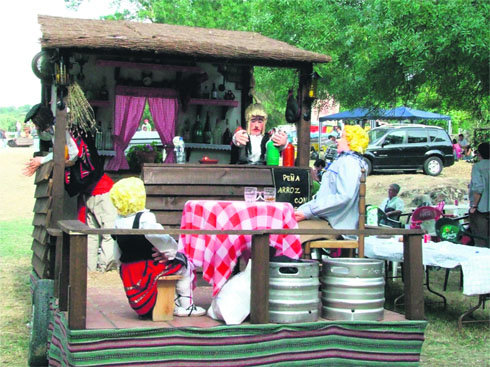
(19, 42)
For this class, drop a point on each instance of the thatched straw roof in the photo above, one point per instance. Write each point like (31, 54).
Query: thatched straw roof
(166, 39)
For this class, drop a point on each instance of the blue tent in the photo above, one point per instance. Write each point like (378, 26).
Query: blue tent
(398, 113)
(355, 114)
(405, 113)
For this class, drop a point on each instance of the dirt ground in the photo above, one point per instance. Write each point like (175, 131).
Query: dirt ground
(18, 190)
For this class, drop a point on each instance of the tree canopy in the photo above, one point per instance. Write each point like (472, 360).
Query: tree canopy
(426, 54)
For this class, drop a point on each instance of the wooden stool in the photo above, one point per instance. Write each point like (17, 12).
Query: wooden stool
(164, 305)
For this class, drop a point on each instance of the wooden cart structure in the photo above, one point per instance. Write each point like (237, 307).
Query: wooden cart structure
(117, 56)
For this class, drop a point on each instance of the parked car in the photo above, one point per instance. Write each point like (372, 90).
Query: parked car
(411, 147)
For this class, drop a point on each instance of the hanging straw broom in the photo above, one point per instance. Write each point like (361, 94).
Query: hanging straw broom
(81, 116)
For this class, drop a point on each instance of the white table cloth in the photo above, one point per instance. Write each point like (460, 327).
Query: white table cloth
(475, 261)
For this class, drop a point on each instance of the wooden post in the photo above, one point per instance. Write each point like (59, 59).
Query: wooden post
(246, 76)
(303, 126)
(259, 300)
(58, 190)
(63, 271)
(362, 212)
(58, 242)
(77, 290)
(413, 272)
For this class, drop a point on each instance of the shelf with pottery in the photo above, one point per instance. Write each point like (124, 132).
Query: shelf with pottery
(214, 102)
(99, 103)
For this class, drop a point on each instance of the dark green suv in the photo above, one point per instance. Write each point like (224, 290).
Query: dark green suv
(409, 148)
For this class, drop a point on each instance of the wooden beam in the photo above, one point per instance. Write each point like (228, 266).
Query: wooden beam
(303, 126)
(149, 66)
(259, 300)
(58, 191)
(62, 271)
(362, 212)
(413, 272)
(77, 289)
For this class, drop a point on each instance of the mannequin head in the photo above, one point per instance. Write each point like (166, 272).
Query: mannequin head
(256, 119)
(128, 196)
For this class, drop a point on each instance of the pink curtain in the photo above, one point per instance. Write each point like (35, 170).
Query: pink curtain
(164, 113)
(129, 111)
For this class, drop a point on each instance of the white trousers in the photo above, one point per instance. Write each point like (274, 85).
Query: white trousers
(100, 214)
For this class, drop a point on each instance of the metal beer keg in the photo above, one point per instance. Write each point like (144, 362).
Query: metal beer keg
(293, 292)
(352, 289)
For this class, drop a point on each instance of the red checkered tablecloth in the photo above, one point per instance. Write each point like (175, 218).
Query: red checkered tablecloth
(218, 254)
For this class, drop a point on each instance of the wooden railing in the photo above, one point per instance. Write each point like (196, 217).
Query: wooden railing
(71, 265)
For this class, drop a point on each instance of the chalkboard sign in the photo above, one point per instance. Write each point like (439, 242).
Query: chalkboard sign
(292, 185)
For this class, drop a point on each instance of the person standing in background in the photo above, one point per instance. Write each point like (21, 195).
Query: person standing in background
(146, 126)
(456, 150)
(479, 196)
(3, 138)
(463, 143)
(18, 129)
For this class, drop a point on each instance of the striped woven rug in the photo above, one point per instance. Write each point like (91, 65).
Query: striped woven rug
(324, 343)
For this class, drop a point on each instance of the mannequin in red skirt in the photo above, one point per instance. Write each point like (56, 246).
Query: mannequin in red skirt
(138, 254)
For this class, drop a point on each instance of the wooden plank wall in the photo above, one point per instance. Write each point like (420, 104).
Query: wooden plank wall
(41, 254)
(169, 186)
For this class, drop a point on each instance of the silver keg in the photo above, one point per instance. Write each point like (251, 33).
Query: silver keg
(294, 292)
(352, 289)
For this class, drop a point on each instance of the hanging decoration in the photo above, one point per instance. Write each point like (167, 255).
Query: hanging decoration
(81, 116)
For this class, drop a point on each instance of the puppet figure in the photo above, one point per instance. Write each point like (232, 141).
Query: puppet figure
(143, 259)
(249, 146)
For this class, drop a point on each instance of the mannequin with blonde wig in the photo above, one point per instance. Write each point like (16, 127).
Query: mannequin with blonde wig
(336, 205)
(144, 258)
(248, 146)
(256, 109)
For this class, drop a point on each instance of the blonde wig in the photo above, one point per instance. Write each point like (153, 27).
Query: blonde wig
(357, 138)
(255, 109)
(128, 196)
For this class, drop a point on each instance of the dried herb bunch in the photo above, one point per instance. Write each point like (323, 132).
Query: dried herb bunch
(81, 115)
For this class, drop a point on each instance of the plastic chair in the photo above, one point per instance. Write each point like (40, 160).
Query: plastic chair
(452, 230)
(425, 217)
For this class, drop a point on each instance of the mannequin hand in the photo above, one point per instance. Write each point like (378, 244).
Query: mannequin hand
(280, 138)
(159, 256)
(32, 166)
(241, 138)
(299, 216)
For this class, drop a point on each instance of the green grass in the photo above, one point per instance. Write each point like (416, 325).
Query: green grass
(444, 344)
(15, 303)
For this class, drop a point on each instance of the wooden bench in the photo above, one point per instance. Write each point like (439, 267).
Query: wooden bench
(164, 305)
(170, 186)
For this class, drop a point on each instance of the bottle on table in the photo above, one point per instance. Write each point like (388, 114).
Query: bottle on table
(205, 93)
(197, 131)
(207, 136)
(214, 92)
(179, 149)
(272, 154)
(217, 133)
(288, 155)
(227, 136)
